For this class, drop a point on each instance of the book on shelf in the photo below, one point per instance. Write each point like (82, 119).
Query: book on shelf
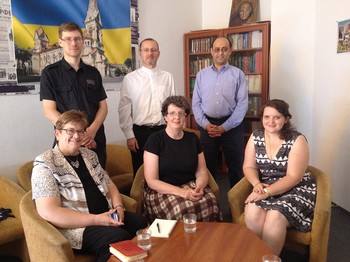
(162, 227)
(127, 251)
(253, 83)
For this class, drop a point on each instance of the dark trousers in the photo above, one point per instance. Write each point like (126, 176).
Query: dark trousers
(142, 133)
(96, 239)
(232, 145)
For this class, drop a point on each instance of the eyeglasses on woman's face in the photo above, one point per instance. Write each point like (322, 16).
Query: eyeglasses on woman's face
(71, 131)
(178, 114)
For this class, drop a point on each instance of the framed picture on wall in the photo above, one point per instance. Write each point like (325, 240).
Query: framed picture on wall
(343, 36)
(242, 12)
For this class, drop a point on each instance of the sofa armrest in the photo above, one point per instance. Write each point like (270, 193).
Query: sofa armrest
(236, 198)
(129, 203)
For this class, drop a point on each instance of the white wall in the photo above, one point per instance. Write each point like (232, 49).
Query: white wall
(305, 71)
(25, 133)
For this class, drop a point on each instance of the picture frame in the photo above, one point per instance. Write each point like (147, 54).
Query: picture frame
(243, 12)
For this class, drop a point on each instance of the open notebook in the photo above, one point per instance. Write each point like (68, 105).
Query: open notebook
(162, 227)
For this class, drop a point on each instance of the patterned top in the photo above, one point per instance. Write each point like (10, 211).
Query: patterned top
(53, 176)
(297, 204)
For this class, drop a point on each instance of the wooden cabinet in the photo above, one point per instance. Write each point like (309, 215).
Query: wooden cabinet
(251, 52)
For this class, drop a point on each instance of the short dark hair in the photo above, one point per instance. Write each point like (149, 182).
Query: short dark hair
(68, 27)
(72, 116)
(178, 101)
(148, 39)
(283, 108)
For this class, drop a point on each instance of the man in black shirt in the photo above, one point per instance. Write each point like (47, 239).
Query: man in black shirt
(71, 84)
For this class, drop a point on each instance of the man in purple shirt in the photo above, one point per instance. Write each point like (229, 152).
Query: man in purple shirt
(219, 104)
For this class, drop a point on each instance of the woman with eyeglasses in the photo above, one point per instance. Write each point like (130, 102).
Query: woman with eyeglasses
(73, 192)
(175, 171)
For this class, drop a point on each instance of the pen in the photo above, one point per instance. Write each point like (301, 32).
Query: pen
(158, 227)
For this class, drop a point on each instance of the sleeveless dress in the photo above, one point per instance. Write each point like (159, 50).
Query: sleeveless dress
(297, 204)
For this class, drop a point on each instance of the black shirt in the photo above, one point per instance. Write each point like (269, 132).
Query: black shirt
(80, 90)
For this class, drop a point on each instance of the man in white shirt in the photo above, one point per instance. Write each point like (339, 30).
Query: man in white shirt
(142, 94)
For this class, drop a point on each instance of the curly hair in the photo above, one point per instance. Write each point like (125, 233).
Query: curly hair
(283, 108)
(178, 101)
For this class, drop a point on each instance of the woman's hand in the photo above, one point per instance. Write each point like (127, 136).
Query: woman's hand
(104, 219)
(120, 211)
(196, 194)
(254, 197)
(259, 188)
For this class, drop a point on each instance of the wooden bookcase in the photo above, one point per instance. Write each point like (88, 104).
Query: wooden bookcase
(251, 52)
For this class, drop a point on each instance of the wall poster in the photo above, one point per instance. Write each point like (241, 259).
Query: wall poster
(110, 26)
(343, 36)
(243, 11)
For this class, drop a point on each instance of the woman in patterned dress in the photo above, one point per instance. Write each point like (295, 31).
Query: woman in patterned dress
(283, 195)
(175, 171)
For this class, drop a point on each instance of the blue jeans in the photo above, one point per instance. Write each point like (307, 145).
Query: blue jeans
(232, 145)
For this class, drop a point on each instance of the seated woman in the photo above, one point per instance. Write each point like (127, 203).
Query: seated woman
(74, 193)
(275, 162)
(175, 171)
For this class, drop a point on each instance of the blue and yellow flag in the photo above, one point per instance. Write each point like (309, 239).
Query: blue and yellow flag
(29, 15)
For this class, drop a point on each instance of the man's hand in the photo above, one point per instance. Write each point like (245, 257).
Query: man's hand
(214, 130)
(132, 144)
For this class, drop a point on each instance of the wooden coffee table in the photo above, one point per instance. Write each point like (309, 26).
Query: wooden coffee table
(211, 242)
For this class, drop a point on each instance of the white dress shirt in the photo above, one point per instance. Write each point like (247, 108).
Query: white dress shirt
(142, 94)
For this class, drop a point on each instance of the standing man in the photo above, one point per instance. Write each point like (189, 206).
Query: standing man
(219, 104)
(71, 84)
(143, 92)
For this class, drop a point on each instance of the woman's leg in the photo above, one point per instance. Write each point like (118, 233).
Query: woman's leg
(275, 230)
(255, 218)
(96, 240)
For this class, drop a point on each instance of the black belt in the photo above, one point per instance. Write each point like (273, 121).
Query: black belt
(217, 121)
(150, 128)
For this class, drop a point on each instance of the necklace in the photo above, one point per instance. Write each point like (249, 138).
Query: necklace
(74, 163)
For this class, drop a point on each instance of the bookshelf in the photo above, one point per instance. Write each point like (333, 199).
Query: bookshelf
(251, 47)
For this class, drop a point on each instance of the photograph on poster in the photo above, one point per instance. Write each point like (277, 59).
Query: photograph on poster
(242, 12)
(343, 36)
(108, 37)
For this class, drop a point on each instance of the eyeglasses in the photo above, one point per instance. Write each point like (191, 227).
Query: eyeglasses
(72, 131)
(70, 40)
(152, 50)
(223, 49)
(179, 114)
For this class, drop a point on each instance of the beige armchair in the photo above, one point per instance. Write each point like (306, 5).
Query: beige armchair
(137, 188)
(12, 241)
(24, 175)
(119, 167)
(44, 241)
(315, 242)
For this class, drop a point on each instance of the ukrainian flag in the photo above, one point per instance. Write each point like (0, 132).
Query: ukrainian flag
(29, 15)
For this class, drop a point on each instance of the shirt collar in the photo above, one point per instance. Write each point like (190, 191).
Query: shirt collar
(222, 68)
(68, 66)
(149, 70)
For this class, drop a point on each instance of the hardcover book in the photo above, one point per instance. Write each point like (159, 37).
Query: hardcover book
(127, 251)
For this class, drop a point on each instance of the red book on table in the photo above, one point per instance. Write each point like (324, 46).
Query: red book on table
(127, 251)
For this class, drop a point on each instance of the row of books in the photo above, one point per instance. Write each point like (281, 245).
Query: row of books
(246, 40)
(254, 83)
(247, 62)
(254, 104)
(201, 45)
(199, 64)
